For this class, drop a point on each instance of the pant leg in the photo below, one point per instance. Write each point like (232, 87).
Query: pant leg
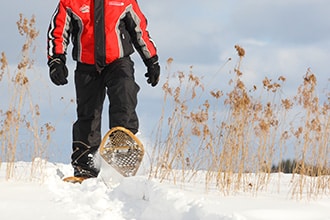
(90, 94)
(122, 92)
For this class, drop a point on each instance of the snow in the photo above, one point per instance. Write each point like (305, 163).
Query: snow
(110, 196)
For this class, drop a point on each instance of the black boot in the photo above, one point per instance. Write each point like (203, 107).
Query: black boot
(83, 161)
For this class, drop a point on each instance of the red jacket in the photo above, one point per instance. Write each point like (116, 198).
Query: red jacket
(124, 26)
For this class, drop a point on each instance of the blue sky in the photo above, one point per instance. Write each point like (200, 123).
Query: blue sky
(280, 38)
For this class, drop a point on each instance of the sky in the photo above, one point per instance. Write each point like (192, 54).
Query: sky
(280, 38)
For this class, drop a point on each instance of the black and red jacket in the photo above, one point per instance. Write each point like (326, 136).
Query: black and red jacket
(124, 26)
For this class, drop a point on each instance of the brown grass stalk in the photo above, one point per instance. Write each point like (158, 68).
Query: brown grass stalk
(238, 148)
(22, 115)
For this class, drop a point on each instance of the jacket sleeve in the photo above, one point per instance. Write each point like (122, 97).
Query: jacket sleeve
(136, 24)
(58, 31)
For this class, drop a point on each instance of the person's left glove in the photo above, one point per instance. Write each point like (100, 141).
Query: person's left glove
(58, 71)
(153, 71)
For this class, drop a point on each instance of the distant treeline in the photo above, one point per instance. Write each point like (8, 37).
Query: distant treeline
(299, 167)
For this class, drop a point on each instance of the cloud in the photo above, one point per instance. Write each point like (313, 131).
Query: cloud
(283, 22)
(280, 38)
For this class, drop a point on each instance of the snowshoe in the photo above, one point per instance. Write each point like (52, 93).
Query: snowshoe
(74, 179)
(121, 149)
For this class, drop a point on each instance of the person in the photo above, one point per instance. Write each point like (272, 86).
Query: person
(104, 34)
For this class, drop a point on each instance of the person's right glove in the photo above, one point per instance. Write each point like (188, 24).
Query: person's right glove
(153, 71)
(58, 71)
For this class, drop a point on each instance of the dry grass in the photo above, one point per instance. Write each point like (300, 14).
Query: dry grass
(237, 137)
(234, 136)
(21, 115)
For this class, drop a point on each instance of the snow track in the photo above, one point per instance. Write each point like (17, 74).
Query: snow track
(141, 199)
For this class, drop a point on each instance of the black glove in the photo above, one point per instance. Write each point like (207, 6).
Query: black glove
(58, 71)
(153, 73)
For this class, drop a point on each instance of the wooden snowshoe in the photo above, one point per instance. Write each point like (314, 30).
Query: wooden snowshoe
(122, 150)
(74, 179)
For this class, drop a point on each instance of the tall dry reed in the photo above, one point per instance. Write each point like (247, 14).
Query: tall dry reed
(21, 116)
(236, 136)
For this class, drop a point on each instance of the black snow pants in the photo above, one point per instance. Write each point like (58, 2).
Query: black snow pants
(117, 82)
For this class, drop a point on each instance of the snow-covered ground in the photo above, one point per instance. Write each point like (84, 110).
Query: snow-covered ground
(48, 197)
